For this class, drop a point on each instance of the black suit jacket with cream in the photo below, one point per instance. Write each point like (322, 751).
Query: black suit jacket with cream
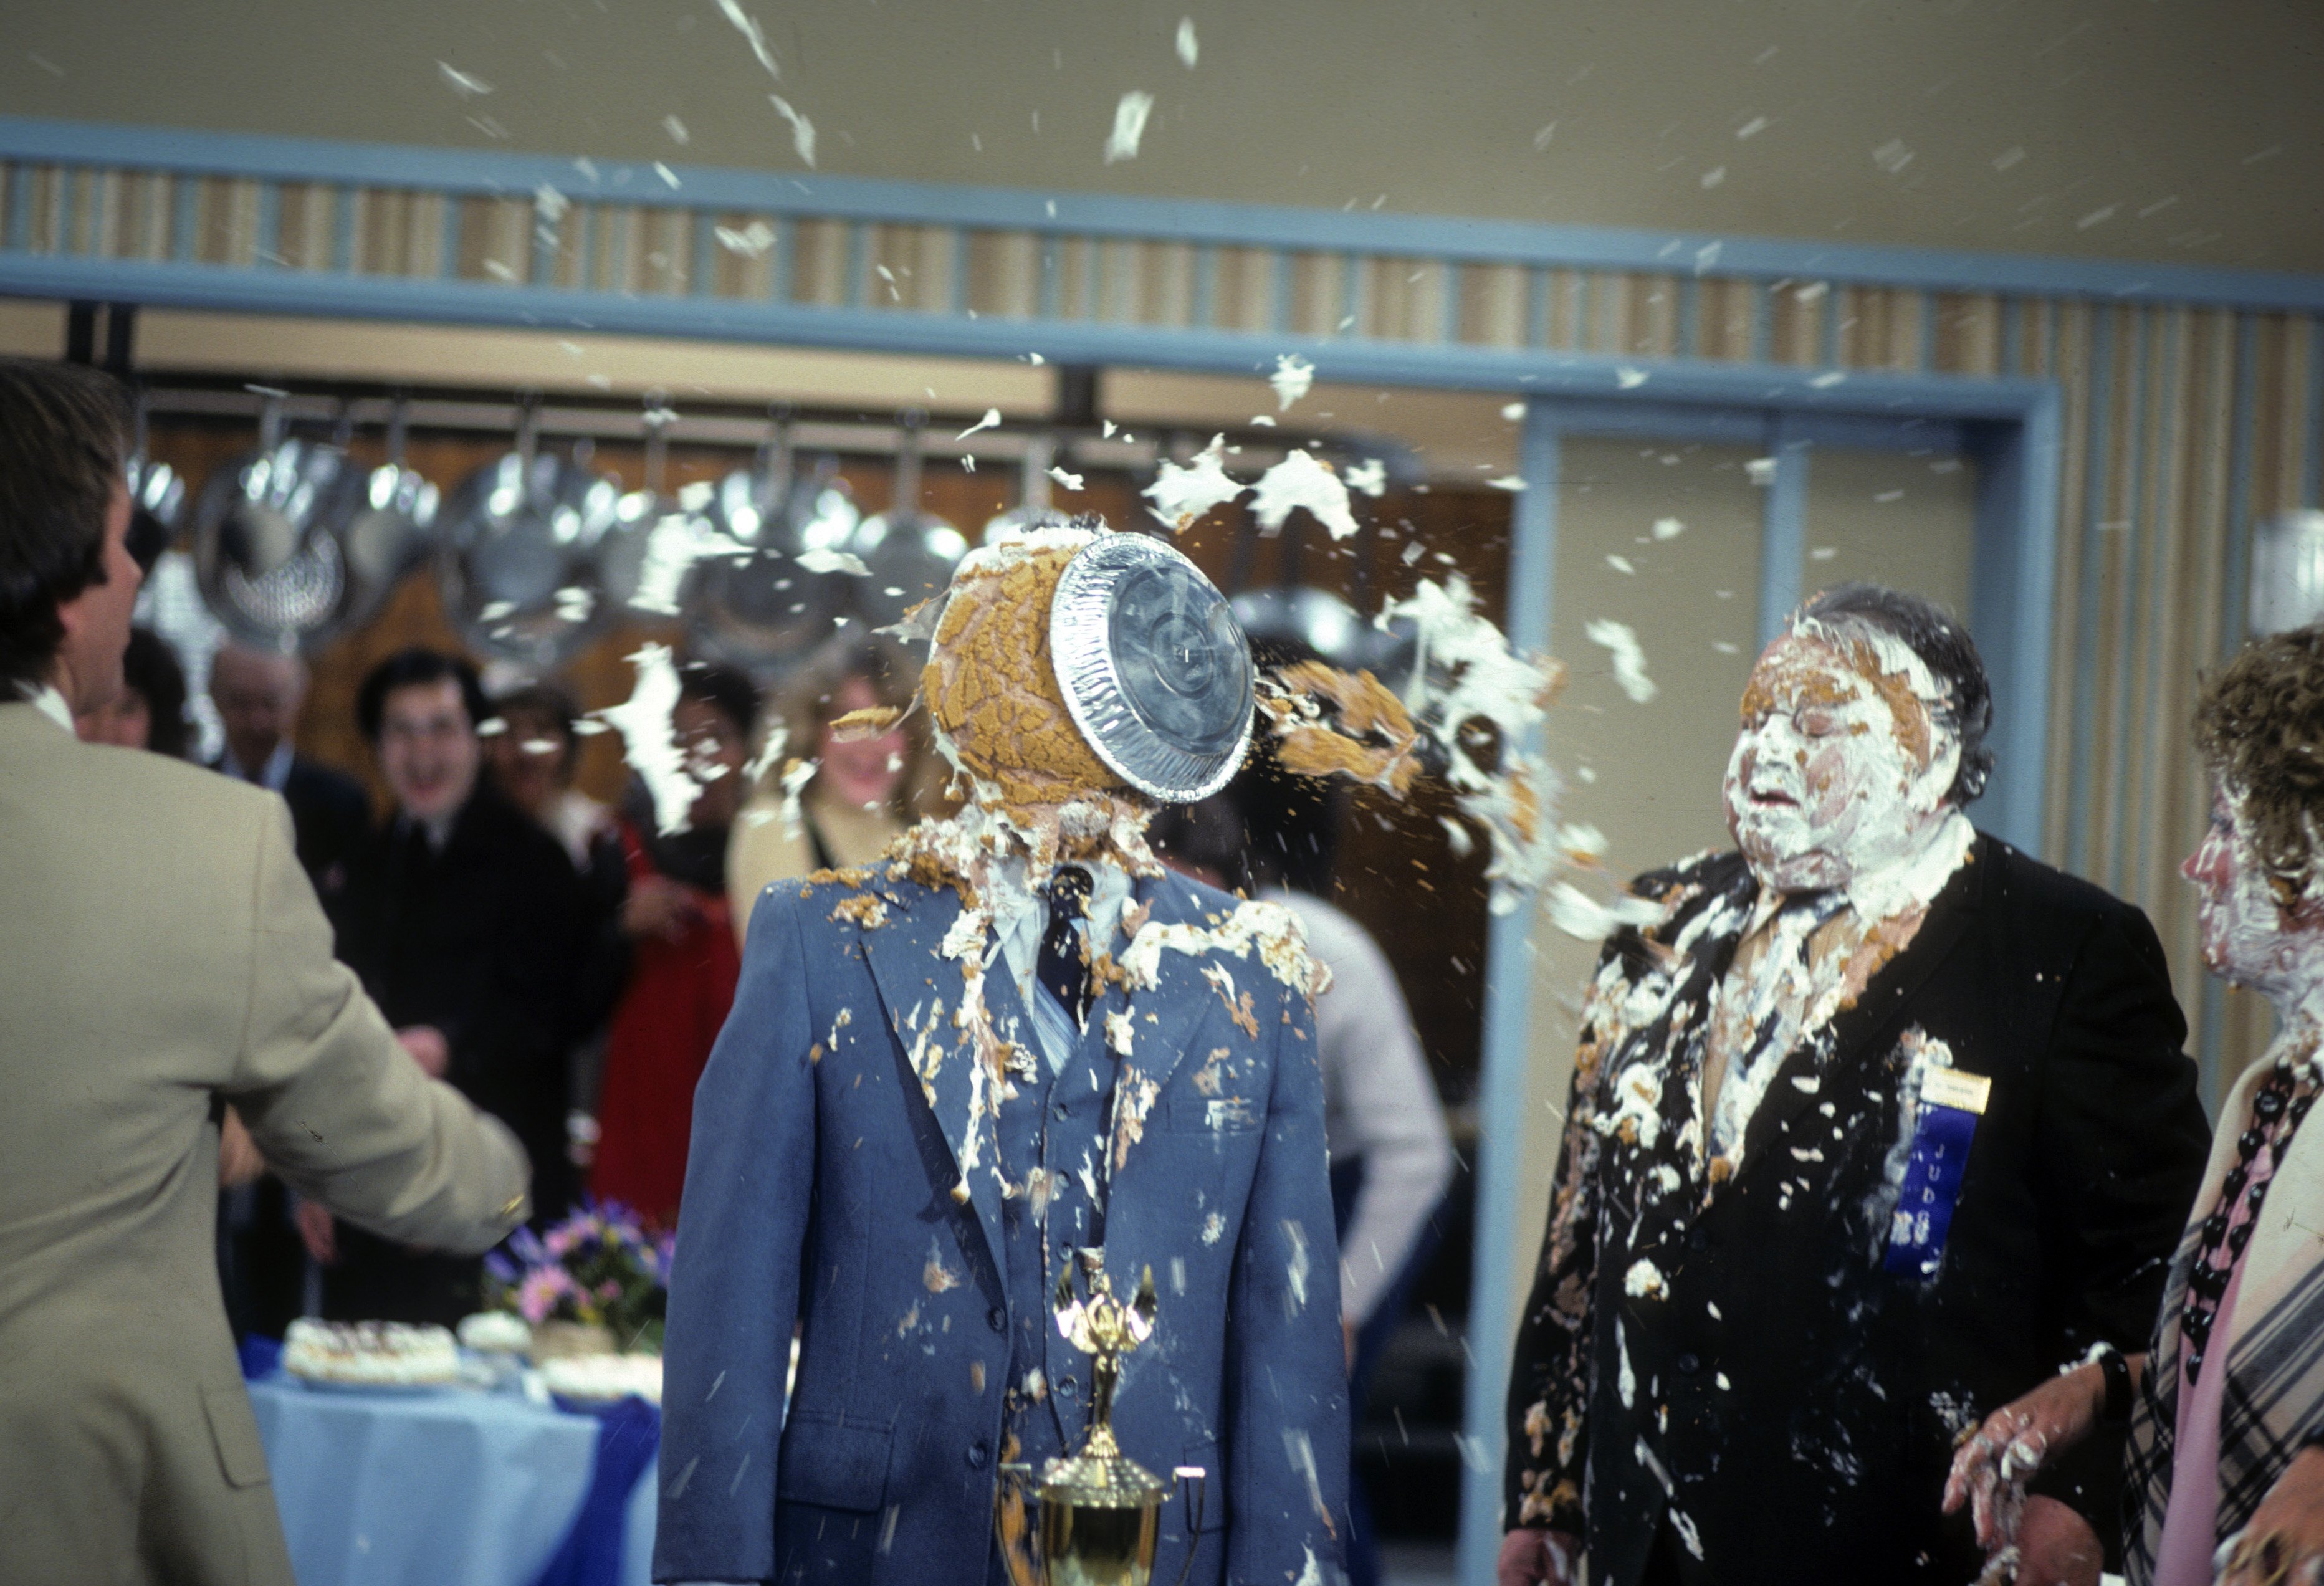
(1760, 1385)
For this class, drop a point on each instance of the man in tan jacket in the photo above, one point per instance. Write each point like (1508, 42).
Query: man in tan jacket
(160, 953)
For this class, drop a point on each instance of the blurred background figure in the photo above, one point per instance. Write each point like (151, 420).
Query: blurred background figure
(863, 793)
(150, 710)
(533, 757)
(684, 960)
(533, 760)
(465, 921)
(263, 1262)
(1391, 1153)
(258, 694)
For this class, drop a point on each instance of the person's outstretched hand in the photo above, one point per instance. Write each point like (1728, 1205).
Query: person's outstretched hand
(1990, 1471)
(2286, 1538)
(315, 1232)
(428, 1049)
(1532, 1555)
(239, 1159)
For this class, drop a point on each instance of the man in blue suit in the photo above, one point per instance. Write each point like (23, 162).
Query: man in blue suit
(948, 1075)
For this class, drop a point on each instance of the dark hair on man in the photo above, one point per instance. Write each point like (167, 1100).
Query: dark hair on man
(1207, 835)
(64, 443)
(725, 689)
(150, 669)
(1945, 648)
(409, 668)
(2259, 726)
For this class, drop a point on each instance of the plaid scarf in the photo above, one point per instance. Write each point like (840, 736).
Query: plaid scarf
(2274, 1349)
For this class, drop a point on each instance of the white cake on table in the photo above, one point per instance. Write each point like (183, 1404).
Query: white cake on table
(371, 1354)
(496, 1332)
(604, 1379)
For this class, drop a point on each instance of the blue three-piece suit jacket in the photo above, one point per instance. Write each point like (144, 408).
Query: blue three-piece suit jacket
(819, 1194)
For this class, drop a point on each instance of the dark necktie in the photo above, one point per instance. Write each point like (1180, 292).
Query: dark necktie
(1063, 968)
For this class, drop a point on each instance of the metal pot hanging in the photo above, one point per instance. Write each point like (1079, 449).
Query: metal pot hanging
(520, 560)
(266, 563)
(1032, 506)
(764, 609)
(387, 534)
(647, 566)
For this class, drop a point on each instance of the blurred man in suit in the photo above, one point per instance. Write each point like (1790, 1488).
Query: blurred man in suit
(160, 951)
(464, 920)
(258, 694)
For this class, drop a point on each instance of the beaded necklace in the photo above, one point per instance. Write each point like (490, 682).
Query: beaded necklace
(2279, 1104)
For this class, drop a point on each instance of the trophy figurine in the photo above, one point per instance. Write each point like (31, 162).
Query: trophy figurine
(1099, 1512)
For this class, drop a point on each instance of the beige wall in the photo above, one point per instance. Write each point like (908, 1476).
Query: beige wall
(2178, 131)
(1891, 518)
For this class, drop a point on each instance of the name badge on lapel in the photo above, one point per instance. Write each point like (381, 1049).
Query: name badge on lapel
(1951, 1103)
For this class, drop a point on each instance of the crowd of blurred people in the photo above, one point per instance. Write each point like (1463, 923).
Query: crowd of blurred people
(564, 962)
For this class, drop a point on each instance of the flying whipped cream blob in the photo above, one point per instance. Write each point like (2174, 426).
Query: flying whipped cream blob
(1841, 772)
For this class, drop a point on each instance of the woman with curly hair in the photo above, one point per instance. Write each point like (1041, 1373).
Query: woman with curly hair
(2226, 1409)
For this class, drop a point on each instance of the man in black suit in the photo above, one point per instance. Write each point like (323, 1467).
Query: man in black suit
(261, 1266)
(1873, 1122)
(466, 922)
(258, 694)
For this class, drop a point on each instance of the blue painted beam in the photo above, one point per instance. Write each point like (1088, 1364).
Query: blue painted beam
(2012, 578)
(1517, 370)
(177, 149)
(1783, 528)
(2097, 470)
(1507, 1048)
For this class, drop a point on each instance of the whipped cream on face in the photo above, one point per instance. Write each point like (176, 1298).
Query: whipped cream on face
(2260, 934)
(1840, 775)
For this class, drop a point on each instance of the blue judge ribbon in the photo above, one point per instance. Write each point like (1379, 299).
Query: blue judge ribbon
(1951, 1103)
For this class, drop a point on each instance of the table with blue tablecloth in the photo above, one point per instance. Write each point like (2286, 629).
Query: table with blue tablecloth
(458, 1488)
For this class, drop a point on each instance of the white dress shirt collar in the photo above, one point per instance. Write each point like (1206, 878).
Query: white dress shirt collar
(50, 703)
(272, 776)
(1021, 916)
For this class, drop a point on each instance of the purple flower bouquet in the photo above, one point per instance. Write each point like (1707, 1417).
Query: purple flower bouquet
(599, 1267)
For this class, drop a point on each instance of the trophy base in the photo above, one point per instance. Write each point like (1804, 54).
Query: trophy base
(1093, 1545)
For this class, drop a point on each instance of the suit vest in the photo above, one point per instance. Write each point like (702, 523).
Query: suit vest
(1055, 1127)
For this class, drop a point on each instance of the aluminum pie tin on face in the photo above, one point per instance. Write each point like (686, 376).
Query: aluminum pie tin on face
(1153, 666)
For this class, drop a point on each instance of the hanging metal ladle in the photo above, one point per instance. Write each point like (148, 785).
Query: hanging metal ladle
(909, 554)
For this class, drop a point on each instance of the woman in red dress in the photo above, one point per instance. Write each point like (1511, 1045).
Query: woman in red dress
(684, 963)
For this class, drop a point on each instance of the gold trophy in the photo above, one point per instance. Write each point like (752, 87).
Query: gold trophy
(1099, 1512)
